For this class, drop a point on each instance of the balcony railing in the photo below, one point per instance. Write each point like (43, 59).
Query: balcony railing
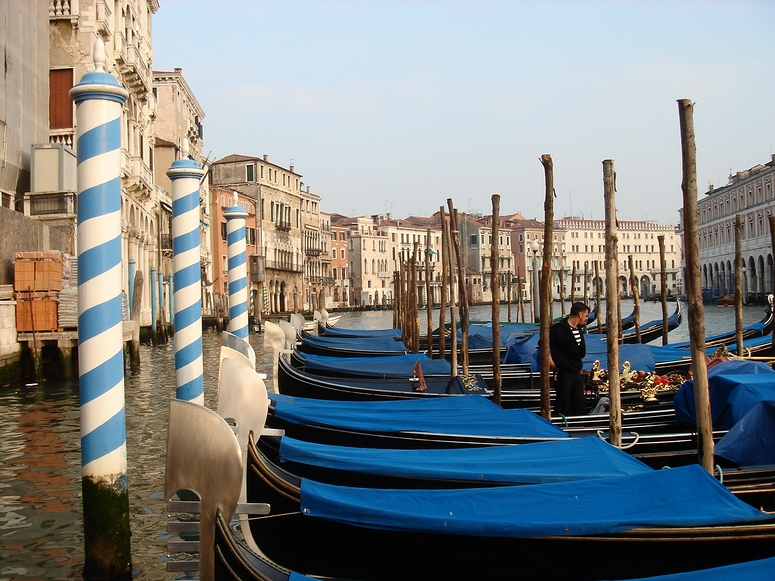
(287, 266)
(283, 225)
(313, 251)
(48, 204)
(61, 137)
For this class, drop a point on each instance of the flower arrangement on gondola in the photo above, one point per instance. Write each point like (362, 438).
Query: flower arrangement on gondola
(650, 384)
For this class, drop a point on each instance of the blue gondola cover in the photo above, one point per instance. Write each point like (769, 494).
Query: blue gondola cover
(686, 496)
(540, 462)
(462, 415)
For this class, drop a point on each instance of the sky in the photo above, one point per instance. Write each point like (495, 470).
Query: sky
(396, 106)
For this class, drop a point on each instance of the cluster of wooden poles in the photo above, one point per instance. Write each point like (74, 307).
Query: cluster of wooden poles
(406, 314)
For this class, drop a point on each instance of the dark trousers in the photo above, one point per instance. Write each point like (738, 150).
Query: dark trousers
(569, 393)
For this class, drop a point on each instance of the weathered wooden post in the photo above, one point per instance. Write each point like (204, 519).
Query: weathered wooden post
(772, 244)
(452, 293)
(153, 304)
(461, 283)
(520, 298)
(635, 297)
(545, 285)
(496, 298)
(586, 286)
(132, 264)
(238, 272)
(185, 174)
(561, 279)
(99, 99)
(573, 285)
(663, 286)
(444, 287)
(739, 284)
(428, 295)
(694, 286)
(612, 303)
(597, 300)
(415, 300)
(134, 343)
(396, 300)
(508, 296)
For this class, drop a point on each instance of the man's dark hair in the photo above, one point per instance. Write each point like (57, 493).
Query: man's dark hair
(577, 308)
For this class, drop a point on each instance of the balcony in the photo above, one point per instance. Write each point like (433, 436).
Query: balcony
(286, 266)
(62, 204)
(62, 137)
(104, 16)
(62, 10)
(284, 225)
(313, 251)
(139, 181)
(133, 68)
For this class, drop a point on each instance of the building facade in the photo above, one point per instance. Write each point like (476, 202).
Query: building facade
(750, 194)
(277, 193)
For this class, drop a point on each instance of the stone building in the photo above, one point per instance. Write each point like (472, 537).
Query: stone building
(223, 198)
(276, 192)
(585, 243)
(340, 272)
(476, 249)
(125, 28)
(179, 117)
(750, 194)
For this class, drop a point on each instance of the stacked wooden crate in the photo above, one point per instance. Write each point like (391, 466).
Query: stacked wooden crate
(38, 279)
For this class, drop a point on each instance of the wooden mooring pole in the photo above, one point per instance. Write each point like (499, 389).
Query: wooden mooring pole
(496, 299)
(428, 296)
(444, 287)
(694, 287)
(772, 244)
(663, 286)
(462, 294)
(612, 303)
(739, 284)
(545, 288)
(635, 297)
(447, 243)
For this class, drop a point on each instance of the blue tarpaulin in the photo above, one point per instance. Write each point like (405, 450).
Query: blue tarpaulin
(385, 344)
(540, 462)
(460, 415)
(735, 387)
(340, 332)
(760, 570)
(751, 441)
(686, 496)
(389, 366)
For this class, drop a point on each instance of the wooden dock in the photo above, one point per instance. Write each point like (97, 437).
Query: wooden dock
(65, 340)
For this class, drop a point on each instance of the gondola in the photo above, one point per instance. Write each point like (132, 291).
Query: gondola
(653, 329)
(540, 462)
(334, 346)
(481, 533)
(225, 557)
(294, 381)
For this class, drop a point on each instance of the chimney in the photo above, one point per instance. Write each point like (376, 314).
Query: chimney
(290, 169)
(266, 157)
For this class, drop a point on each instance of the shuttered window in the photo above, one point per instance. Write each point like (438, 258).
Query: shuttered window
(60, 105)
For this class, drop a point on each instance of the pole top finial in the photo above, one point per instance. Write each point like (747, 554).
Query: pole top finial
(99, 56)
(184, 147)
(235, 197)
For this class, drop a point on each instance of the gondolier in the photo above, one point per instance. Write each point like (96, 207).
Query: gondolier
(567, 347)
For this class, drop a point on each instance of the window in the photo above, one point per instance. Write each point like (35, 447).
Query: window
(250, 236)
(60, 105)
(333, 254)
(249, 172)
(473, 239)
(224, 235)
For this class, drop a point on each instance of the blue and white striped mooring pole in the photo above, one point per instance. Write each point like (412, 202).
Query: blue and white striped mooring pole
(99, 100)
(185, 174)
(238, 274)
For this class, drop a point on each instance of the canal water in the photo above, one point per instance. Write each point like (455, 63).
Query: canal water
(41, 529)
